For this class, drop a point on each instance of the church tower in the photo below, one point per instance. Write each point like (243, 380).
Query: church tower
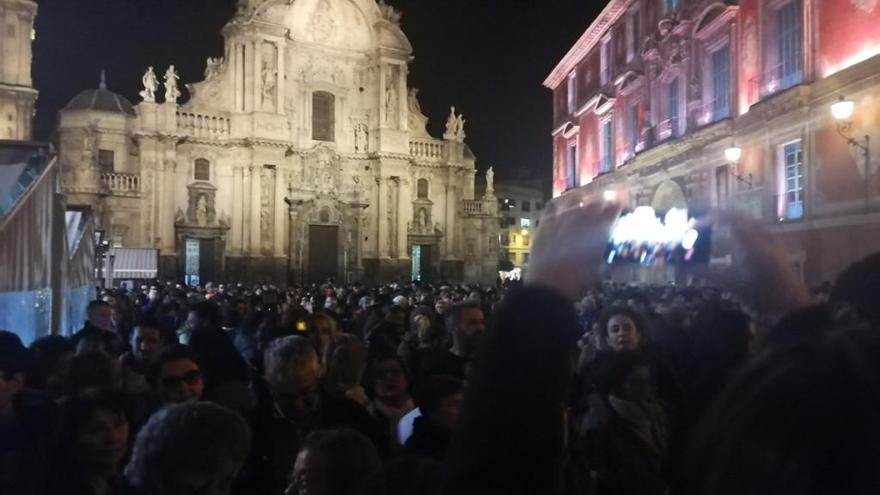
(17, 95)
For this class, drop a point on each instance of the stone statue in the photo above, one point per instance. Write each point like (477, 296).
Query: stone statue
(390, 103)
(179, 217)
(212, 67)
(151, 84)
(459, 128)
(413, 101)
(171, 91)
(268, 86)
(202, 211)
(490, 180)
(361, 138)
(451, 124)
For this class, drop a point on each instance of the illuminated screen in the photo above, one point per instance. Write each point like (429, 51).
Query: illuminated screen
(648, 238)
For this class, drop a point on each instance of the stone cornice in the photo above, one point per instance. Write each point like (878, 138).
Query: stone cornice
(609, 15)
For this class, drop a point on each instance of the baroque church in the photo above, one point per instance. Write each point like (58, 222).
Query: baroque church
(302, 155)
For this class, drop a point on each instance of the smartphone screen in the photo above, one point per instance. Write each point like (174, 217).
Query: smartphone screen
(649, 238)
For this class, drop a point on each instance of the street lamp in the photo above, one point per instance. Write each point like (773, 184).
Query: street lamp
(733, 154)
(843, 110)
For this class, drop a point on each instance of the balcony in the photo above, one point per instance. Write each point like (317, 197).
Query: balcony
(121, 184)
(203, 125)
(432, 150)
(713, 111)
(667, 129)
(775, 80)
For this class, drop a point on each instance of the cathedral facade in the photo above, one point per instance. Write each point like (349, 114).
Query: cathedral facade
(17, 95)
(301, 156)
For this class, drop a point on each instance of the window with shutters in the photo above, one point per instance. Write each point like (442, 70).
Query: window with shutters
(323, 116)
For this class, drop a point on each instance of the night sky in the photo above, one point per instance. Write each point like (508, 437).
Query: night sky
(486, 57)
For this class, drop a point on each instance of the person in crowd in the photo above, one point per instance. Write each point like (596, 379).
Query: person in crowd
(466, 323)
(28, 422)
(146, 340)
(343, 367)
(176, 376)
(389, 388)
(334, 462)
(192, 448)
(628, 451)
(409, 475)
(52, 356)
(323, 330)
(98, 332)
(291, 404)
(425, 339)
(387, 331)
(93, 370)
(439, 399)
(226, 373)
(92, 445)
(799, 419)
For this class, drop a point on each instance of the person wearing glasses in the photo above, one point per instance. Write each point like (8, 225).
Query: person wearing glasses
(176, 376)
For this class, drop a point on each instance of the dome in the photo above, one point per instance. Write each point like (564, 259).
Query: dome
(101, 99)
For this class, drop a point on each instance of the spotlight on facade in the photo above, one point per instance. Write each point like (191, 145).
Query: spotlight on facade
(843, 109)
(733, 154)
(525, 231)
(609, 195)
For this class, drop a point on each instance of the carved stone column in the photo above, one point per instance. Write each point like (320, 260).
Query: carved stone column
(294, 264)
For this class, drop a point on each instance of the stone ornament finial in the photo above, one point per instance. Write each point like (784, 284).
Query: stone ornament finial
(103, 83)
(151, 84)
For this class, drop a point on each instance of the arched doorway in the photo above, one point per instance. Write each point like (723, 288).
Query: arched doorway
(668, 195)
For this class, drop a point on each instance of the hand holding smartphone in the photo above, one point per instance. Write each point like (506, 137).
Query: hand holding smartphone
(649, 238)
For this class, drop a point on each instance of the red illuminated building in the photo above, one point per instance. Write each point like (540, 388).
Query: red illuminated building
(728, 104)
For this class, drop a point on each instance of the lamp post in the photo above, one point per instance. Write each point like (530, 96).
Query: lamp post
(733, 154)
(843, 110)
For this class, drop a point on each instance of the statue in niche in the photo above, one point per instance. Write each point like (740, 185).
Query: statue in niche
(268, 76)
(179, 217)
(423, 223)
(171, 91)
(390, 101)
(265, 224)
(361, 138)
(151, 84)
(202, 211)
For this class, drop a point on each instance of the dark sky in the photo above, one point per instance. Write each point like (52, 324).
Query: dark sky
(486, 57)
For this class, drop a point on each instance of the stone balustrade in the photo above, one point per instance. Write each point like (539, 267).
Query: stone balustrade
(426, 149)
(203, 125)
(473, 207)
(123, 184)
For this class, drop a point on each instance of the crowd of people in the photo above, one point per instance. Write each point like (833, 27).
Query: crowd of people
(562, 385)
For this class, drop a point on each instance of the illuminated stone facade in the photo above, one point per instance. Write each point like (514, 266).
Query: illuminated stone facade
(301, 155)
(17, 95)
(655, 91)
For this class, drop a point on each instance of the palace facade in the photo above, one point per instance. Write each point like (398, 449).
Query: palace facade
(705, 104)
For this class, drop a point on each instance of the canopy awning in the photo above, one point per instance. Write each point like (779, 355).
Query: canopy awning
(133, 263)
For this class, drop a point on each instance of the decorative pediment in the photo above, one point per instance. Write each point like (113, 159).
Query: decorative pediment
(628, 82)
(668, 47)
(603, 104)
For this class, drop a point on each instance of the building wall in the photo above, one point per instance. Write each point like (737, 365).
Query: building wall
(769, 105)
(272, 180)
(516, 239)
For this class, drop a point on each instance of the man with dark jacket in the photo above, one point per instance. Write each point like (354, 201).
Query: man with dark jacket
(439, 399)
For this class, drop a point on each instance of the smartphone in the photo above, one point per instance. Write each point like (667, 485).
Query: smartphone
(650, 238)
(301, 326)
